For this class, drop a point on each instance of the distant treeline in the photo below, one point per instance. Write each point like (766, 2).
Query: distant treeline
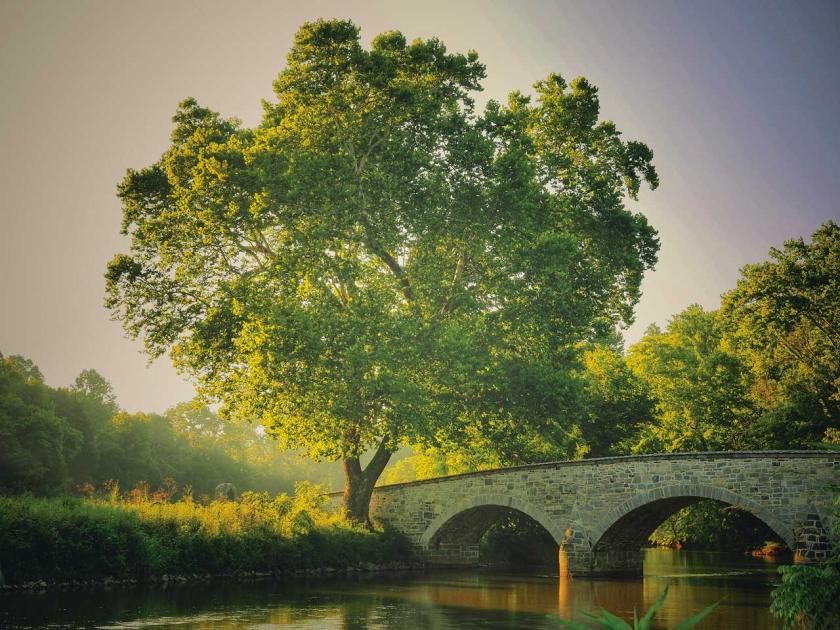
(75, 439)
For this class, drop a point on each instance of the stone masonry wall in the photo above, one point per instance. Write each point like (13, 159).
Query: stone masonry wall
(598, 509)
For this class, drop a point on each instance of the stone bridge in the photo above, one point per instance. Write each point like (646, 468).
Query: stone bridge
(601, 511)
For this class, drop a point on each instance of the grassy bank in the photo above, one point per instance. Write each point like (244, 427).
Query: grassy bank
(141, 536)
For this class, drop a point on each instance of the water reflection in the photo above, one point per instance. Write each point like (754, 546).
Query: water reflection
(427, 600)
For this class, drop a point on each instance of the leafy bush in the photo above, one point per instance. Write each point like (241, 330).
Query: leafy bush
(140, 536)
(715, 526)
(518, 541)
(808, 597)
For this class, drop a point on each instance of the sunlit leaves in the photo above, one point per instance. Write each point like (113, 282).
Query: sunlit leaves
(699, 387)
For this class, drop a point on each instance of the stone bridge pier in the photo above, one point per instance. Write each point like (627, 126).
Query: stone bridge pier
(600, 512)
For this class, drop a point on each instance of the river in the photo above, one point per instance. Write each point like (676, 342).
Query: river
(439, 599)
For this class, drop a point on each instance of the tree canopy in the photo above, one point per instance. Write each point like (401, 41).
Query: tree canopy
(376, 262)
(783, 317)
(700, 387)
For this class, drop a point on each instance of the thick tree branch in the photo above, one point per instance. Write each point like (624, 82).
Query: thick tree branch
(340, 291)
(372, 243)
(394, 266)
(446, 307)
(380, 459)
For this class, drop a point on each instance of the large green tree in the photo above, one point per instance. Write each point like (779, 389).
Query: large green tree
(699, 386)
(376, 262)
(615, 405)
(783, 318)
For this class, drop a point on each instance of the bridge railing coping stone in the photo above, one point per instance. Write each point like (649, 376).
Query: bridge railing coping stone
(610, 460)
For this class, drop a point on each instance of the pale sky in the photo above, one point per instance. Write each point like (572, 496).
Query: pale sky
(738, 101)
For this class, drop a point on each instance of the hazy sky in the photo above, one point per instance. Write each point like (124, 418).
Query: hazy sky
(738, 100)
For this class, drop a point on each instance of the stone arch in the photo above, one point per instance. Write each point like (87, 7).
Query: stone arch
(675, 493)
(490, 500)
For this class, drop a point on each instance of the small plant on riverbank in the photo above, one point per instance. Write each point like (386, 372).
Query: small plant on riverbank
(610, 621)
(807, 597)
(138, 536)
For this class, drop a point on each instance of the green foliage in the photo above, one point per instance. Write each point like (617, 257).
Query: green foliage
(425, 463)
(714, 526)
(30, 372)
(92, 385)
(763, 371)
(616, 402)
(784, 318)
(57, 440)
(610, 404)
(807, 597)
(698, 384)
(518, 541)
(608, 620)
(378, 264)
(144, 535)
(36, 442)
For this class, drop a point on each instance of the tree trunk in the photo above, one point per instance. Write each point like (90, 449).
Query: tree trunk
(358, 483)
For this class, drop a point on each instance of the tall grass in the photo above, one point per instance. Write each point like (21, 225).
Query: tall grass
(141, 536)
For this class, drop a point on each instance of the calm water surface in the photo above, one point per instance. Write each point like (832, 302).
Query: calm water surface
(418, 600)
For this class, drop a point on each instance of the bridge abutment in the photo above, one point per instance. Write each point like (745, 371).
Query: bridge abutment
(812, 540)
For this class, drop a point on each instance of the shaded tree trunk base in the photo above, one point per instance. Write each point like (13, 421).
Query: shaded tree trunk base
(359, 483)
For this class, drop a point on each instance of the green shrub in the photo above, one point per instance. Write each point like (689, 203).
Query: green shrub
(60, 539)
(808, 597)
(714, 526)
(518, 541)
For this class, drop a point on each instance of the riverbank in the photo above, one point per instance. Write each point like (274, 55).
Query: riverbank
(370, 568)
(67, 541)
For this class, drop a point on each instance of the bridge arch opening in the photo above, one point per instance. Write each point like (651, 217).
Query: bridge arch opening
(475, 532)
(617, 544)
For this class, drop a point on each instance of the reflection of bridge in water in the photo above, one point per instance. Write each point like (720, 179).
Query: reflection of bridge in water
(601, 512)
